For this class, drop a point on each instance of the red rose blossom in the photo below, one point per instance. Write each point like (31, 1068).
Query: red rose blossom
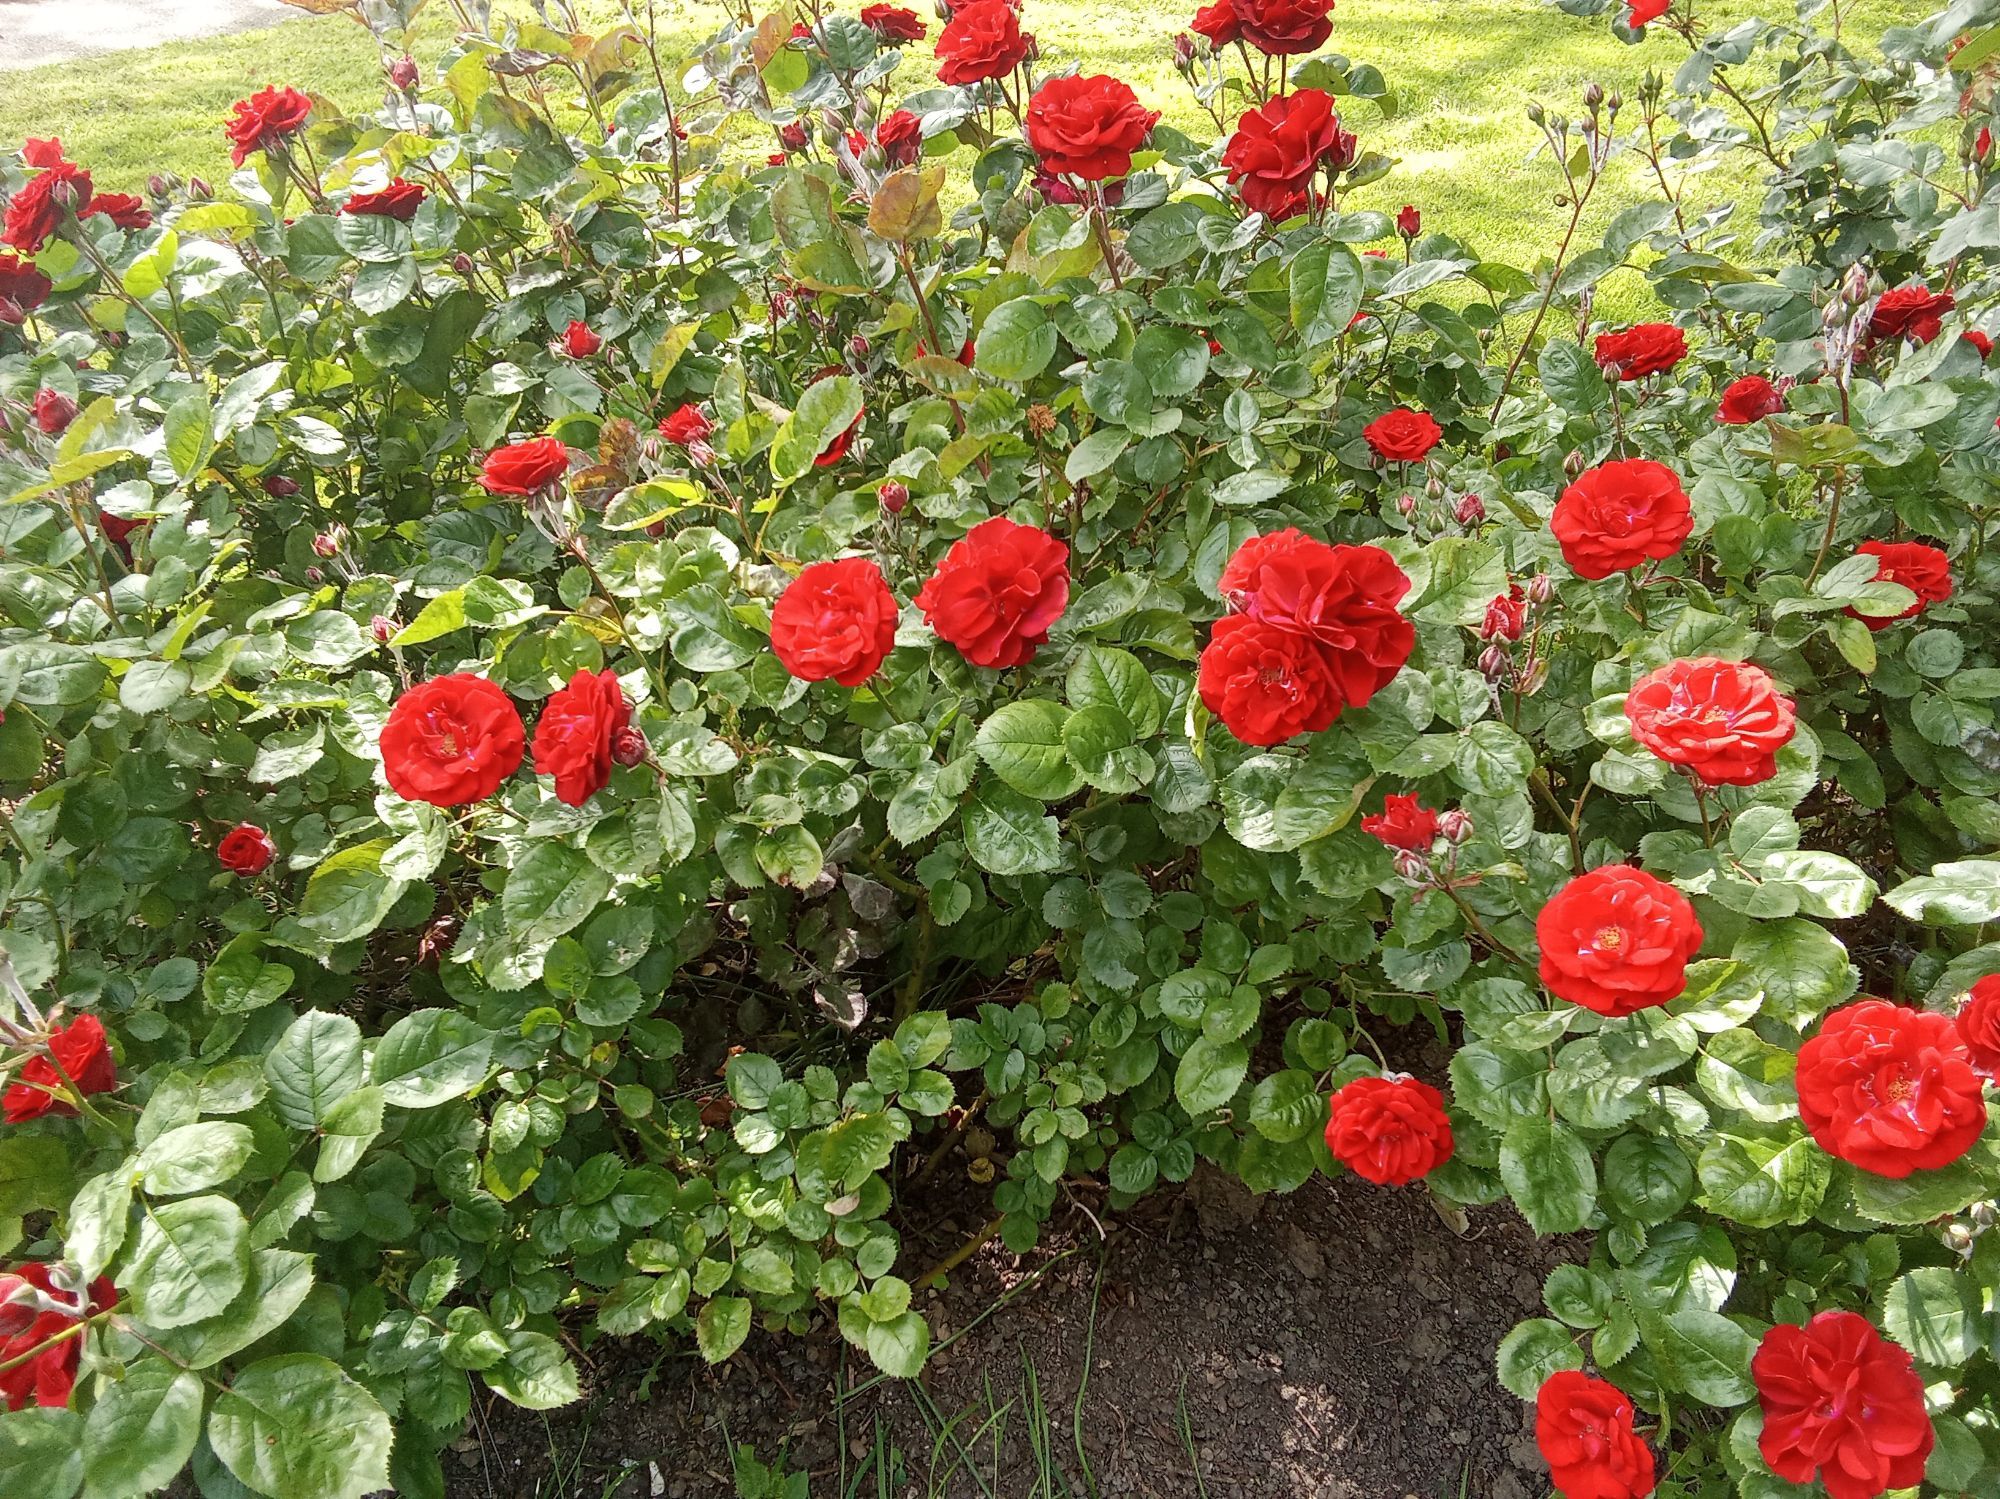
(1404, 822)
(53, 411)
(524, 467)
(1620, 514)
(1617, 941)
(451, 741)
(399, 200)
(84, 1054)
(1284, 28)
(1401, 435)
(576, 733)
(1219, 23)
(1748, 400)
(126, 210)
(1088, 127)
(1583, 1427)
(901, 137)
(1725, 721)
(1389, 1130)
(687, 424)
(1266, 683)
(1841, 1403)
(1912, 312)
(246, 849)
(1506, 615)
(836, 450)
(893, 23)
(1979, 341)
(35, 213)
(1343, 598)
(997, 592)
(982, 40)
(1279, 145)
(264, 119)
(1889, 1089)
(835, 619)
(22, 284)
(48, 1377)
(1979, 1027)
(1641, 350)
(42, 153)
(1639, 12)
(579, 342)
(1919, 567)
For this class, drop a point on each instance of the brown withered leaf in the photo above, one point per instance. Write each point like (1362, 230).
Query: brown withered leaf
(772, 34)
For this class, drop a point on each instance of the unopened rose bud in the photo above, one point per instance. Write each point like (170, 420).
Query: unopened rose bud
(279, 487)
(1575, 463)
(1494, 664)
(54, 411)
(1593, 95)
(781, 306)
(1184, 52)
(793, 137)
(1958, 1238)
(1541, 588)
(1412, 866)
(628, 747)
(1982, 144)
(403, 73)
(1406, 504)
(326, 544)
(1031, 47)
(893, 496)
(858, 346)
(199, 190)
(314, 575)
(1455, 825)
(382, 628)
(1983, 1215)
(700, 454)
(1409, 223)
(1470, 510)
(1434, 487)
(1614, 101)
(158, 185)
(1536, 114)
(1854, 289)
(436, 941)
(462, 263)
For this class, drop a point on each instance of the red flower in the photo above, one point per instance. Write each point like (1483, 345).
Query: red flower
(36, 211)
(1889, 1089)
(1279, 145)
(901, 137)
(1979, 1027)
(1980, 341)
(579, 342)
(1401, 435)
(1389, 1130)
(1088, 127)
(1723, 720)
(1409, 223)
(1841, 1403)
(264, 119)
(1266, 683)
(399, 200)
(793, 137)
(1219, 23)
(997, 592)
(1284, 28)
(50, 1375)
(686, 425)
(1912, 312)
(1639, 12)
(1342, 597)
(246, 849)
(982, 40)
(84, 1054)
(579, 726)
(1583, 1427)
(116, 530)
(1641, 350)
(893, 23)
(1404, 822)
(53, 411)
(836, 450)
(1506, 615)
(451, 741)
(835, 619)
(1922, 569)
(1748, 400)
(1982, 143)
(524, 467)
(41, 154)
(1617, 941)
(21, 284)
(1619, 514)
(126, 210)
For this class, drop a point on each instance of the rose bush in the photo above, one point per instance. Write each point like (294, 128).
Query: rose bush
(602, 675)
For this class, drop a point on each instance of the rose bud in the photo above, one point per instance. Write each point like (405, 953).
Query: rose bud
(314, 575)
(1541, 588)
(1593, 95)
(19, 1305)
(781, 305)
(1412, 866)
(1434, 487)
(1406, 504)
(1184, 52)
(199, 190)
(795, 136)
(1455, 825)
(279, 487)
(893, 496)
(579, 342)
(1982, 144)
(246, 849)
(858, 346)
(54, 411)
(628, 747)
(326, 544)
(1493, 663)
(1575, 463)
(11, 312)
(382, 628)
(462, 263)
(700, 454)
(1471, 510)
(1409, 223)
(403, 73)
(1854, 289)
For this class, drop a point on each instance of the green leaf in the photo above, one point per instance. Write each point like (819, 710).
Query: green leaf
(1549, 1174)
(1964, 893)
(191, 1262)
(553, 889)
(142, 1430)
(277, 1285)
(1326, 285)
(100, 1217)
(188, 432)
(1572, 379)
(1008, 834)
(349, 1128)
(1702, 1353)
(316, 1063)
(899, 1345)
(1016, 342)
(535, 1374)
(1802, 966)
(1286, 1106)
(1532, 1351)
(721, 1327)
(1761, 1182)
(826, 409)
(1210, 1073)
(1023, 742)
(1103, 676)
(41, 1453)
(1936, 1313)
(296, 1427)
(194, 1157)
(348, 895)
(431, 1057)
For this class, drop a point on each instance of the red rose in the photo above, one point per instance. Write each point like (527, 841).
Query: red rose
(686, 425)
(836, 450)
(1409, 223)
(1401, 435)
(1219, 23)
(1979, 1027)
(576, 733)
(1723, 720)
(264, 119)
(1088, 127)
(1982, 143)
(39, 153)
(893, 23)
(1922, 569)
(1389, 1130)
(1279, 145)
(1912, 312)
(835, 619)
(84, 1054)
(451, 741)
(399, 200)
(901, 137)
(48, 1377)
(1284, 28)
(1404, 822)
(524, 467)
(1748, 400)
(982, 40)
(35, 213)
(117, 530)
(246, 849)
(1841, 1403)
(1343, 598)
(1506, 615)
(21, 284)
(1583, 1427)
(126, 210)
(1265, 683)
(997, 592)
(1641, 350)
(579, 342)
(1890, 1090)
(53, 411)
(1639, 12)
(1619, 514)
(1979, 341)
(1617, 941)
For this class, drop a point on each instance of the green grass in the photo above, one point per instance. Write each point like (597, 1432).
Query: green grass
(1464, 72)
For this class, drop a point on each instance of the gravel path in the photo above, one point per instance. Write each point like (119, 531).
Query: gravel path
(33, 32)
